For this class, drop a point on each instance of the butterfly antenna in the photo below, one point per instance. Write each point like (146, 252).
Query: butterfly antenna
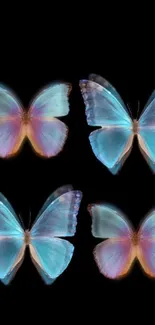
(29, 222)
(129, 110)
(138, 109)
(21, 221)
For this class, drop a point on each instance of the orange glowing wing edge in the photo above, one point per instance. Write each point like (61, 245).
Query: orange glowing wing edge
(21, 138)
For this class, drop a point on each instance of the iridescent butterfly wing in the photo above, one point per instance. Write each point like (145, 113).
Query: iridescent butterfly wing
(12, 246)
(46, 133)
(51, 254)
(115, 255)
(111, 143)
(12, 130)
(146, 247)
(146, 132)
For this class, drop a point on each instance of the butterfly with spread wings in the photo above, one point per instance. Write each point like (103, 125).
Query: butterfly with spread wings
(112, 143)
(50, 254)
(115, 255)
(46, 133)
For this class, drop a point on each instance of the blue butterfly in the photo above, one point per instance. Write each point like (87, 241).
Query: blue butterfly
(112, 143)
(50, 254)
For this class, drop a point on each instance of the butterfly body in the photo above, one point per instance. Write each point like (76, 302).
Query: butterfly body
(26, 117)
(112, 143)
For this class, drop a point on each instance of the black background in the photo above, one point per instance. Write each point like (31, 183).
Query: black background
(27, 180)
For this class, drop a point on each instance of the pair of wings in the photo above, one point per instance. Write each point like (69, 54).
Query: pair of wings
(50, 254)
(112, 143)
(46, 133)
(115, 255)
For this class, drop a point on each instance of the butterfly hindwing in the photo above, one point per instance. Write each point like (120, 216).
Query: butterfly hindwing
(114, 257)
(110, 145)
(52, 255)
(17, 263)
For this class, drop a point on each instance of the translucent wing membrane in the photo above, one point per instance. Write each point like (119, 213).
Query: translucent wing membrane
(60, 191)
(18, 259)
(147, 229)
(105, 84)
(52, 256)
(102, 107)
(12, 131)
(46, 278)
(147, 118)
(146, 249)
(9, 224)
(105, 108)
(47, 137)
(9, 250)
(146, 132)
(115, 255)
(59, 217)
(146, 256)
(11, 241)
(46, 133)
(51, 101)
(110, 146)
(107, 222)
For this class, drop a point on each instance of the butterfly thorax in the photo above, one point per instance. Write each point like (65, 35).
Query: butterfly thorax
(135, 239)
(135, 127)
(26, 118)
(27, 237)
